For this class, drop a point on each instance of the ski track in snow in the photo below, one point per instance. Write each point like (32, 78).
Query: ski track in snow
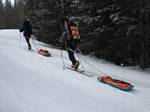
(30, 82)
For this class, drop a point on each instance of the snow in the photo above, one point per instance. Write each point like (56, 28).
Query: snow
(30, 82)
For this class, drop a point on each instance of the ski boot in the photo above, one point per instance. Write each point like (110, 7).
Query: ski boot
(29, 47)
(76, 65)
(72, 66)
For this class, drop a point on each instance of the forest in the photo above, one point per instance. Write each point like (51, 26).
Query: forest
(117, 31)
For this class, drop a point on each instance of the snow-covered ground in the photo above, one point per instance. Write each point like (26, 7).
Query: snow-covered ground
(30, 82)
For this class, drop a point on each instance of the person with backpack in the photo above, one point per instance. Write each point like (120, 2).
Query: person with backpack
(70, 38)
(27, 31)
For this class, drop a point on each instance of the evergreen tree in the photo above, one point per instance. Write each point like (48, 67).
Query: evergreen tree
(111, 29)
(18, 12)
(1, 15)
(8, 14)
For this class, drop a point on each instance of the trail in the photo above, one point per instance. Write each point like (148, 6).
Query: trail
(30, 82)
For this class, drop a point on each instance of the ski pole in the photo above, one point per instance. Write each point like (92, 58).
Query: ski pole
(20, 40)
(63, 63)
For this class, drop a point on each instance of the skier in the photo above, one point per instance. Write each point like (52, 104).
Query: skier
(27, 31)
(70, 38)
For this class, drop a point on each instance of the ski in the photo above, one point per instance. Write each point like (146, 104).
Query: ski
(80, 71)
(30, 50)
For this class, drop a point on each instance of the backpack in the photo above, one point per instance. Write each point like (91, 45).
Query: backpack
(73, 31)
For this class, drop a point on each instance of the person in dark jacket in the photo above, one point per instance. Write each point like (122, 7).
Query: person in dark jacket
(70, 45)
(27, 31)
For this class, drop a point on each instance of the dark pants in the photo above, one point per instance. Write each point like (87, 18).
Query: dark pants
(27, 37)
(71, 56)
(72, 46)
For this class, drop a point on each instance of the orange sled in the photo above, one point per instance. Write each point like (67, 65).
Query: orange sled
(44, 52)
(125, 86)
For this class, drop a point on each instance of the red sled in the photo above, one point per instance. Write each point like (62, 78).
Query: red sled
(44, 52)
(122, 85)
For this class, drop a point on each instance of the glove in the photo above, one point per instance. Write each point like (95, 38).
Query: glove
(21, 29)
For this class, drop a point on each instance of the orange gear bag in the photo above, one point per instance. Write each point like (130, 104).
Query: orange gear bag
(73, 31)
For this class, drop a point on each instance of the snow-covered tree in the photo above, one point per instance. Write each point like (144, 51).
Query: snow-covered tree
(110, 29)
(2, 15)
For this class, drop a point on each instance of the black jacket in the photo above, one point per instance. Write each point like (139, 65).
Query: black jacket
(26, 28)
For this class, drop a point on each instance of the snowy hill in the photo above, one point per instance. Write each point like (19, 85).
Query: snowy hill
(30, 82)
